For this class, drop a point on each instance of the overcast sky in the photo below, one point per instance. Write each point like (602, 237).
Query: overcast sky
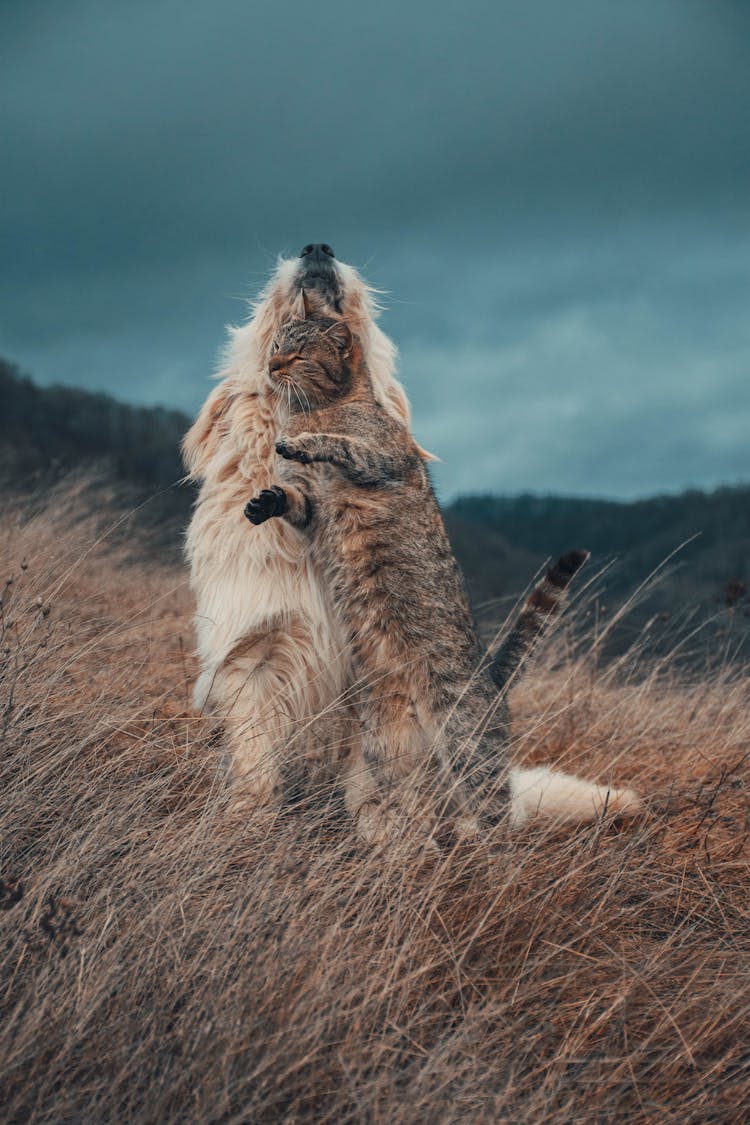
(556, 197)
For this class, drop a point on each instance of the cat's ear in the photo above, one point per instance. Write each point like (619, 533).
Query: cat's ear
(303, 306)
(426, 455)
(340, 335)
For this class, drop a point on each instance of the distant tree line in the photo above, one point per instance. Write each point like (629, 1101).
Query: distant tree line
(697, 544)
(501, 542)
(48, 427)
(48, 433)
(710, 532)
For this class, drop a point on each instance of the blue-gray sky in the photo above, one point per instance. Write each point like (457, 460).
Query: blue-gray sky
(556, 197)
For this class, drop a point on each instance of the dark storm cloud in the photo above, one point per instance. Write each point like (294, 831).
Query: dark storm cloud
(554, 195)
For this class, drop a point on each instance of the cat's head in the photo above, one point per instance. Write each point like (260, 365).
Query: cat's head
(330, 288)
(311, 362)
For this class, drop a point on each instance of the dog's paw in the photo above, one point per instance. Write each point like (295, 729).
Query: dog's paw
(292, 450)
(269, 502)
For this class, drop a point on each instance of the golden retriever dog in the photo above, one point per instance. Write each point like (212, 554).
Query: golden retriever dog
(273, 662)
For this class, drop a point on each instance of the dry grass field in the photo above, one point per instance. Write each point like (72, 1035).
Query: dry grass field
(162, 964)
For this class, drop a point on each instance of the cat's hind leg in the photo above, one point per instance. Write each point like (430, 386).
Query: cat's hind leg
(405, 771)
(364, 801)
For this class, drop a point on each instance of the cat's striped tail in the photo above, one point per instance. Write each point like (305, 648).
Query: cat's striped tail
(543, 603)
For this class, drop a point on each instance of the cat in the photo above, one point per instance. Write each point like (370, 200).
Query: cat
(432, 718)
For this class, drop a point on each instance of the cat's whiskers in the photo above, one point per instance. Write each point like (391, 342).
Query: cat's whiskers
(282, 389)
(304, 407)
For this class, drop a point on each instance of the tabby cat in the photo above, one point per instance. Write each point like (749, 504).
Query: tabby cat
(432, 718)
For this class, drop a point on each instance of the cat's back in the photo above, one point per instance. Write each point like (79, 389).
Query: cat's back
(393, 570)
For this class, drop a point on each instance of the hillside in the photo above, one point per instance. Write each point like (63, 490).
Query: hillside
(47, 433)
(695, 545)
(709, 531)
(53, 429)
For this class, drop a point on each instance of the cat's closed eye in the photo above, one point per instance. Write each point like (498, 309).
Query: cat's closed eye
(280, 363)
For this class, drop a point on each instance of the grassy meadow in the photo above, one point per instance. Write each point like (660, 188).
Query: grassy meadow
(162, 963)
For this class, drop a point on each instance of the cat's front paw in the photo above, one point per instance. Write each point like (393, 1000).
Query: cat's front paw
(268, 503)
(293, 450)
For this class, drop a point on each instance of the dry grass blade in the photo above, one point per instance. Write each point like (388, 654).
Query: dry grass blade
(162, 964)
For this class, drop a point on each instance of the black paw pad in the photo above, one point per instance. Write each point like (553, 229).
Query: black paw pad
(292, 454)
(269, 502)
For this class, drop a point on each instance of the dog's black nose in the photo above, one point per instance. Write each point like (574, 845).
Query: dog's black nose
(318, 251)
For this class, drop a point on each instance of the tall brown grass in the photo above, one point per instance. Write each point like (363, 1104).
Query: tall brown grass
(160, 963)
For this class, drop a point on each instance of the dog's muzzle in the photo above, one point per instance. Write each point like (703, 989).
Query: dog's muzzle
(317, 272)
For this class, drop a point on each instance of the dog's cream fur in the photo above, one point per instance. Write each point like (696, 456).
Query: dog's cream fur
(270, 654)
(273, 663)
